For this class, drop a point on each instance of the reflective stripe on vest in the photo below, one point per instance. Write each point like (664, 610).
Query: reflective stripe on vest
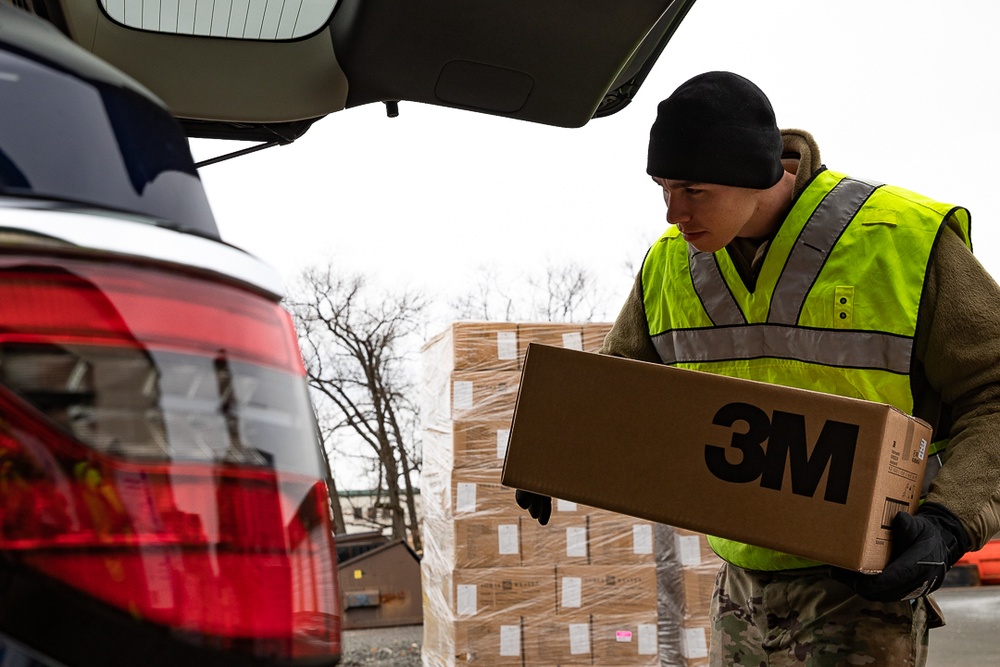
(845, 349)
(834, 309)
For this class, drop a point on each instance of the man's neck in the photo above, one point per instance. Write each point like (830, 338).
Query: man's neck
(772, 208)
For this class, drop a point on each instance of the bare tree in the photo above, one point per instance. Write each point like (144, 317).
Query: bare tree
(488, 300)
(354, 347)
(567, 294)
(563, 293)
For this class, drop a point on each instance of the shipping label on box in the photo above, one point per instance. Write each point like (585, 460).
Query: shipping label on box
(624, 589)
(805, 473)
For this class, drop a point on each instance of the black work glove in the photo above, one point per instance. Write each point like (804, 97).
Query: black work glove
(924, 547)
(538, 506)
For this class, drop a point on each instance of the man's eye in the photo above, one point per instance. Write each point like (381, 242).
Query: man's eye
(693, 191)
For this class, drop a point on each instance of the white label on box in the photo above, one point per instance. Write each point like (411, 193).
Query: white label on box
(623, 636)
(466, 501)
(573, 341)
(461, 391)
(565, 506)
(571, 591)
(693, 643)
(576, 542)
(510, 640)
(642, 539)
(506, 345)
(647, 639)
(579, 638)
(923, 450)
(689, 549)
(466, 603)
(507, 537)
(503, 436)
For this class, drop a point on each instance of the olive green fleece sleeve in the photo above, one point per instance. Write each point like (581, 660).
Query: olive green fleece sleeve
(629, 336)
(958, 346)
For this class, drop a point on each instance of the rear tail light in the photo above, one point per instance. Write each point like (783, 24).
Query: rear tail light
(158, 454)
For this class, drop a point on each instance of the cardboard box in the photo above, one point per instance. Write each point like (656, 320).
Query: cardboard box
(693, 549)
(625, 639)
(594, 335)
(569, 336)
(480, 444)
(527, 591)
(565, 540)
(807, 473)
(486, 542)
(695, 637)
(498, 640)
(557, 640)
(623, 589)
(483, 395)
(479, 492)
(699, 585)
(472, 445)
(476, 346)
(617, 539)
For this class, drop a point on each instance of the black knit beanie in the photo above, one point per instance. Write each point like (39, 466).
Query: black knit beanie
(717, 127)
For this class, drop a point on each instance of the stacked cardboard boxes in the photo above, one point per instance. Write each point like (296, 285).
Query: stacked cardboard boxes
(500, 589)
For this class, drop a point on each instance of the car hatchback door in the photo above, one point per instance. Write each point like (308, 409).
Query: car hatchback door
(249, 69)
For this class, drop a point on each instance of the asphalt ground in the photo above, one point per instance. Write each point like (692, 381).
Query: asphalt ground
(971, 635)
(970, 638)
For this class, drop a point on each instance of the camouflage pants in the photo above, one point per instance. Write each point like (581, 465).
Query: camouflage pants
(807, 618)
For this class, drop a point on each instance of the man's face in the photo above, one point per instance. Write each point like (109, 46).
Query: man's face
(708, 215)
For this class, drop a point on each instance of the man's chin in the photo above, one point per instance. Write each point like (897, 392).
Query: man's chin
(702, 242)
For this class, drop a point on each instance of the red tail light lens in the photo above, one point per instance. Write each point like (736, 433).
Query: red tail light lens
(158, 453)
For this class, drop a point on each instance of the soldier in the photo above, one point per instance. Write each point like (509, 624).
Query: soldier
(774, 265)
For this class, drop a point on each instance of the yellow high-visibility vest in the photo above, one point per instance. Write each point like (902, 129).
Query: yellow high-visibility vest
(834, 308)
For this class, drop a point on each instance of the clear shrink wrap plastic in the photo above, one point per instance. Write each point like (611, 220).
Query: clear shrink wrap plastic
(686, 569)
(498, 588)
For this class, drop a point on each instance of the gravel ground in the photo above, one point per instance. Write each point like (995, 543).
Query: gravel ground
(387, 647)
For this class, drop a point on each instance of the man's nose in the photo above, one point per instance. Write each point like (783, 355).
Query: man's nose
(676, 212)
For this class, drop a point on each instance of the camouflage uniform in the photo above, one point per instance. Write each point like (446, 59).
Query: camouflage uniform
(805, 617)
